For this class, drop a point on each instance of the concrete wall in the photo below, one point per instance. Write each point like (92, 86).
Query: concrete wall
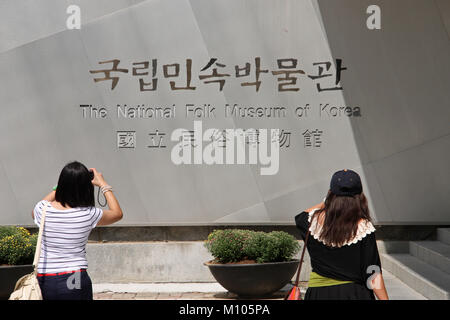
(398, 76)
(401, 75)
(160, 261)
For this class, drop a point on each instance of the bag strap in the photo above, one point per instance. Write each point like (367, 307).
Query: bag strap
(37, 253)
(297, 278)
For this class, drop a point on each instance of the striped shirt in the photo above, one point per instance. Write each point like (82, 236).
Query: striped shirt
(65, 236)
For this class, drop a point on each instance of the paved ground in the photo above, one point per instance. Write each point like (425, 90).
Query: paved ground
(170, 291)
(174, 296)
(397, 290)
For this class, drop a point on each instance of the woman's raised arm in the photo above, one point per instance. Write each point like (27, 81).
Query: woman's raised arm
(114, 213)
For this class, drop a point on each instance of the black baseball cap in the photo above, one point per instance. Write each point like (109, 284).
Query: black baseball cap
(345, 183)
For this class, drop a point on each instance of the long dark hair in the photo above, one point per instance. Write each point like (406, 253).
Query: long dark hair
(75, 186)
(342, 216)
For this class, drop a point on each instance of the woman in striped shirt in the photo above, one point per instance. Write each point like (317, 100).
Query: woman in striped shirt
(70, 217)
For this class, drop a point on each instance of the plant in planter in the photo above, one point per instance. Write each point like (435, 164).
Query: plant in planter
(251, 263)
(17, 248)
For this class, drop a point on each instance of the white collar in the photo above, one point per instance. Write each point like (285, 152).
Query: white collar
(364, 228)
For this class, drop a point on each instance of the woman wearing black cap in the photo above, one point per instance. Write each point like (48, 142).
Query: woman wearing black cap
(341, 244)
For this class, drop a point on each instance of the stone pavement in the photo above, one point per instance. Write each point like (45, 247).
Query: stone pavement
(397, 290)
(171, 291)
(175, 296)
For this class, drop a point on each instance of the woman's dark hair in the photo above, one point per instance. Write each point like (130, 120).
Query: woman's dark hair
(342, 216)
(75, 186)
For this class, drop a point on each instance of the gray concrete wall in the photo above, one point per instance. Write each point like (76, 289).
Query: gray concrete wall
(399, 76)
(170, 261)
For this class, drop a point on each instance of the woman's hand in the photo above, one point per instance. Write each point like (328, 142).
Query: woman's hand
(379, 288)
(114, 213)
(98, 178)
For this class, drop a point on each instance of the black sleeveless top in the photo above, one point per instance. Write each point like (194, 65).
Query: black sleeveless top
(351, 262)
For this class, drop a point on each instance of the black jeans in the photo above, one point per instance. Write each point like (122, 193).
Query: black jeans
(71, 286)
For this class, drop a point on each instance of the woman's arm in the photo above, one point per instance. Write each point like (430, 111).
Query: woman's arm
(114, 213)
(50, 197)
(371, 262)
(378, 287)
(317, 206)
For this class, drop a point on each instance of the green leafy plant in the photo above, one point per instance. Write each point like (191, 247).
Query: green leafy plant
(272, 247)
(8, 231)
(234, 245)
(227, 245)
(17, 246)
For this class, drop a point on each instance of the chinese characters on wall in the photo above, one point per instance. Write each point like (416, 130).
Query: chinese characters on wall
(309, 138)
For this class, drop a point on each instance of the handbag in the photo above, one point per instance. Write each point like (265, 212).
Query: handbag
(27, 287)
(294, 293)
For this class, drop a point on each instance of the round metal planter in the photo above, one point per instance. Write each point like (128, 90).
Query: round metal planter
(254, 280)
